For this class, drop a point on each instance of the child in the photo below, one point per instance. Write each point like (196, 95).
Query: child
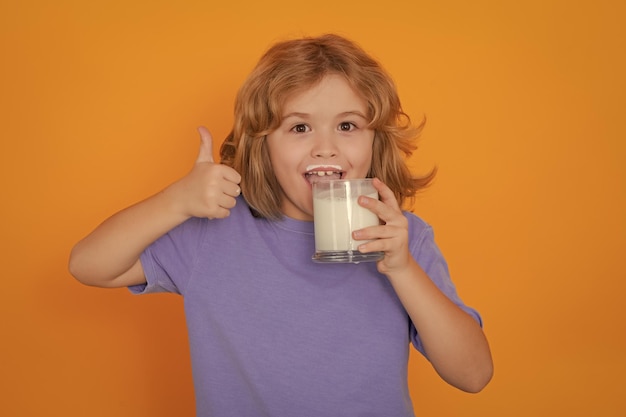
(272, 333)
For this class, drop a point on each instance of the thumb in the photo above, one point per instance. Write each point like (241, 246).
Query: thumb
(206, 146)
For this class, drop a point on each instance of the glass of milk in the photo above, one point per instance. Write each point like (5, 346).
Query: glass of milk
(336, 214)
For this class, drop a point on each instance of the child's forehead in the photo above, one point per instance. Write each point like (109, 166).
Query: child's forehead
(332, 90)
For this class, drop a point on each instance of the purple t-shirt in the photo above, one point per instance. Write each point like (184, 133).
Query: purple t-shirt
(273, 334)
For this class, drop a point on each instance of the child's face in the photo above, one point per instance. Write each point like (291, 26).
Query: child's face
(323, 131)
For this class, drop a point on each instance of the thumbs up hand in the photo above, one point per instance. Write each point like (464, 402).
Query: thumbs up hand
(210, 189)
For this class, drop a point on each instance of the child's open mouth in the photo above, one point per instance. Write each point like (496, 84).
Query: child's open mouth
(319, 173)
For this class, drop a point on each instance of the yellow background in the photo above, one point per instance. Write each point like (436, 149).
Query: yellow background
(525, 102)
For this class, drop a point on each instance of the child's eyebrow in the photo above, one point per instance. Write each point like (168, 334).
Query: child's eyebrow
(296, 114)
(353, 113)
(342, 114)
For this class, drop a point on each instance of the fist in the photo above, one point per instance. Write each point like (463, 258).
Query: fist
(210, 189)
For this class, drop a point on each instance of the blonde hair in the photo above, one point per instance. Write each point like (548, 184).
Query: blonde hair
(293, 66)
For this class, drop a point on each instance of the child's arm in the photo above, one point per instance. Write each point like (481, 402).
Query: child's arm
(109, 256)
(453, 340)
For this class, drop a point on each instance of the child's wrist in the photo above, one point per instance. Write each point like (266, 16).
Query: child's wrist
(174, 201)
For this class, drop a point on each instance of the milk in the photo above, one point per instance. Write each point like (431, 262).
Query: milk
(336, 214)
(337, 218)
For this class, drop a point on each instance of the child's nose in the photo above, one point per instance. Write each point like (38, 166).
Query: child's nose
(324, 146)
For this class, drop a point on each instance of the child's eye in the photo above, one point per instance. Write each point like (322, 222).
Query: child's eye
(346, 126)
(300, 128)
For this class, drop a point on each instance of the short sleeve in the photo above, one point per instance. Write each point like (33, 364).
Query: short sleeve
(427, 254)
(169, 261)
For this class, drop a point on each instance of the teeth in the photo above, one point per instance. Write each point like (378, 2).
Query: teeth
(311, 168)
(322, 173)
